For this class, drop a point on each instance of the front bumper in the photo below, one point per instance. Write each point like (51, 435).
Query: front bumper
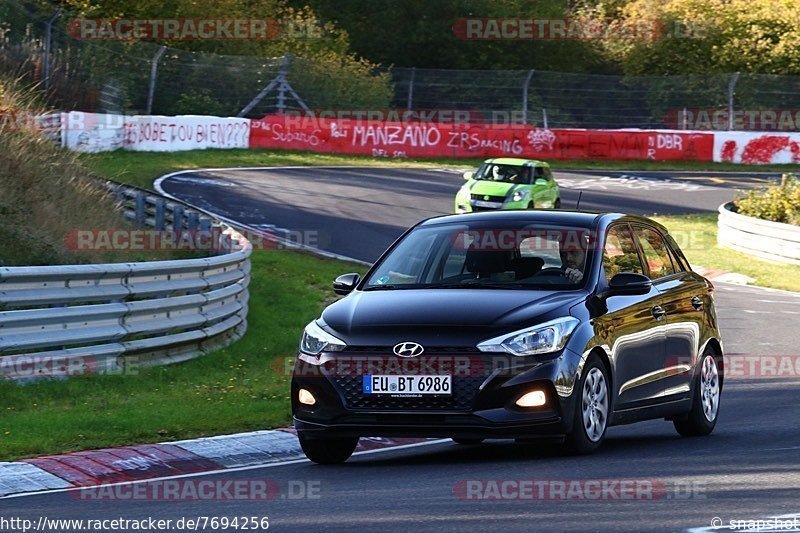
(480, 407)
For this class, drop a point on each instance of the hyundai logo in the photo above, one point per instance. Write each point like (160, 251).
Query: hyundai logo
(408, 349)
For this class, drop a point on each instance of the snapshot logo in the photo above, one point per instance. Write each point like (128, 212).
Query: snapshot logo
(539, 29)
(170, 490)
(624, 490)
(183, 29)
(212, 241)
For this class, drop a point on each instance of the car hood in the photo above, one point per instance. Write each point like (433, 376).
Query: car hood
(491, 188)
(442, 316)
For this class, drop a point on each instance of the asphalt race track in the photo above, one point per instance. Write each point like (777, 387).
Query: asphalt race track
(748, 469)
(357, 212)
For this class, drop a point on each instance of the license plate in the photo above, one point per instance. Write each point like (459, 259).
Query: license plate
(481, 203)
(407, 385)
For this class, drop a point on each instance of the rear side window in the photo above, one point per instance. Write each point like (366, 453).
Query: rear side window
(678, 259)
(656, 255)
(619, 252)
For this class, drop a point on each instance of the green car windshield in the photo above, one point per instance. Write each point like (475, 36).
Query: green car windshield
(504, 173)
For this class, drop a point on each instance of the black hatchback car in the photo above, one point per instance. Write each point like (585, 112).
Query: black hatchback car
(519, 324)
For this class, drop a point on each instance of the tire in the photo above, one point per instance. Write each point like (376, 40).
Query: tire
(459, 440)
(328, 451)
(531, 205)
(557, 204)
(592, 409)
(702, 418)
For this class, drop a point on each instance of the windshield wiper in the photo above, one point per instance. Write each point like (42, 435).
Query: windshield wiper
(380, 288)
(472, 284)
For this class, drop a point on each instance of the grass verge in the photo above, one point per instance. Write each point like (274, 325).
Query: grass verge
(243, 387)
(141, 168)
(697, 237)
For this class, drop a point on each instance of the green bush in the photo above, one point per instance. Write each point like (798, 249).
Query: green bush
(779, 203)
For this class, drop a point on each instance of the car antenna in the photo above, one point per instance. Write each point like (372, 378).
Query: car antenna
(578, 203)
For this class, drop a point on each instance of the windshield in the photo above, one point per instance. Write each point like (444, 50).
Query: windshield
(503, 173)
(523, 256)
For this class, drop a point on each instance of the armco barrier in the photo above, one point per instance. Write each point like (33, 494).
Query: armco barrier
(757, 237)
(61, 320)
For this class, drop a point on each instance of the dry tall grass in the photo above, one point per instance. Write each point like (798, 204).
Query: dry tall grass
(45, 193)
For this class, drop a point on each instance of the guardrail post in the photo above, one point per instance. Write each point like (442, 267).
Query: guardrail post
(161, 214)
(177, 218)
(193, 220)
(141, 202)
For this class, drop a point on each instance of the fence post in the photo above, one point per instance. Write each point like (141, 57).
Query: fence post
(525, 96)
(731, 85)
(544, 118)
(282, 70)
(48, 37)
(153, 73)
(411, 88)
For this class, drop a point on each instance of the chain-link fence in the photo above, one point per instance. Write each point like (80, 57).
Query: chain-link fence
(142, 77)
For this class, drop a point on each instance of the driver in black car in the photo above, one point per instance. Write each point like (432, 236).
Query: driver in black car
(573, 261)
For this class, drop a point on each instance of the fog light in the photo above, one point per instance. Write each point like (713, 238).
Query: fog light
(305, 397)
(532, 399)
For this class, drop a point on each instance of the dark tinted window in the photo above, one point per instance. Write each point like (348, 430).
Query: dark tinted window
(656, 256)
(619, 252)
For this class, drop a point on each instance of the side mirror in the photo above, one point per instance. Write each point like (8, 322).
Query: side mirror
(468, 175)
(540, 181)
(630, 284)
(345, 283)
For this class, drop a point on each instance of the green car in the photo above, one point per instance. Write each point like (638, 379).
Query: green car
(508, 183)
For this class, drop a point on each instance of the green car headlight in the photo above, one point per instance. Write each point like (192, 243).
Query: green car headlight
(520, 195)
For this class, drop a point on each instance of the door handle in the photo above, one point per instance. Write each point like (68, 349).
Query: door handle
(697, 303)
(658, 312)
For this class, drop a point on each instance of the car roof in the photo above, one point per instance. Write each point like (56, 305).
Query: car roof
(584, 219)
(515, 161)
(546, 216)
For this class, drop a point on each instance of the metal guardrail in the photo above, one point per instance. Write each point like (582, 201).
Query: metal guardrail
(105, 318)
(760, 238)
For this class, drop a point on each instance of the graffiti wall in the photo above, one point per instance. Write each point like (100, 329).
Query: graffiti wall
(757, 148)
(401, 139)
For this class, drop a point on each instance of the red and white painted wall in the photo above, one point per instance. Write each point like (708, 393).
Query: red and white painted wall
(90, 132)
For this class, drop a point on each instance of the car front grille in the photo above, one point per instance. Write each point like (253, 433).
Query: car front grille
(465, 391)
(483, 198)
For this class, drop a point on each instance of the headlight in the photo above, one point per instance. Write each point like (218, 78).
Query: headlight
(519, 196)
(543, 338)
(316, 340)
